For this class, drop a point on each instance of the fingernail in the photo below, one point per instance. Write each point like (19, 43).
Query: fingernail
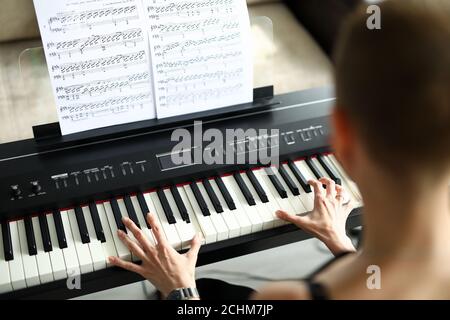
(120, 233)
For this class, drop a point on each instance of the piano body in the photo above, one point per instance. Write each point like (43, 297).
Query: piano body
(61, 202)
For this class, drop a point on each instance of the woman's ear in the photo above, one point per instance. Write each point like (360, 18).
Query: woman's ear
(343, 138)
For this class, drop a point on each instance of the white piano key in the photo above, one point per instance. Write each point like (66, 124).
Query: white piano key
(142, 221)
(16, 265)
(124, 213)
(283, 203)
(207, 227)
(56, 255)
(169, 230)
(122, 250)
(109, 247)
(294, 200)
(83, 253)
(266, 216)
(272, 205)
(216, 219)
(252, 214)
(42, 257)
(95, 246)
(349, 184)
(306, 198)
(70, 253)
(185, 230)
(228, 215)
(29, 262)
(5, 279)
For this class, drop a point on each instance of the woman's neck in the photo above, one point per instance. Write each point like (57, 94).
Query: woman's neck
(406, 221)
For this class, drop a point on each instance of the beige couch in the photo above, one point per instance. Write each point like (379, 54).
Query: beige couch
(295, 59)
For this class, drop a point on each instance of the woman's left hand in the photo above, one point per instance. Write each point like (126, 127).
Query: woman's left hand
(161, 264)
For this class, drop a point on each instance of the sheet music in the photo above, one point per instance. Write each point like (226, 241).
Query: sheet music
(98, 57)
(201, 54)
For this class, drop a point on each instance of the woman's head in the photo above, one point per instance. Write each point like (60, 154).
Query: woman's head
(393, 87)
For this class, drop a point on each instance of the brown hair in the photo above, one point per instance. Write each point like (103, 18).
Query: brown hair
(394, 83)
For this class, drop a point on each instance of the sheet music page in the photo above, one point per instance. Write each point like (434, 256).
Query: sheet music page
(201, 53)
(98, 57)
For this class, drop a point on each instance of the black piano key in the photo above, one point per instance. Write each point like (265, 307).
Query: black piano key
(31, 240)
(289, 182)
(166, 207)
(314, 168)
(244, 189)
(329, 170)
(45, 233)
(7, 242)
(225, 193)
(201, 202)
(259, 189)
(212, 196)
(60, 233)
(117, 215)
(131, 212)
(84, 234)
(144, 207)
(276, 183)
(180, 204)
(97, 223)
(300, 177)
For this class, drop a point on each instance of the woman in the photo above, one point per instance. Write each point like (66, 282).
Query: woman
(392, 134)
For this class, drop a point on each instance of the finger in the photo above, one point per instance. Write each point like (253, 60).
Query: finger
(297, 220)
(340, 194)
(317, 187)
(160, 237)
(330, 187)
(130, 266)
(196, 243)
(134, 248)
(138, 234)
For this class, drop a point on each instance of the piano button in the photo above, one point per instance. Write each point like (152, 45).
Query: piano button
(56, 255)
(29, 261)
(200, 201)
(117, 215)
(124, 213)
(212, 196)
(225, 193)
(70, 252)
(228, 216)
(185, 230)
(31, 240)
(180, 205)
(122, 250)
(99, 232)
(62, 241)
(329, 169)
(294, 200)
(209, 232)
(83, 253)
(16, 265)
(283, 203)
(131, 211)
(95, 246)
(165, 205)
(288, 180)
(45, 235)
(216, 219)
(276, 183)
(261, 209)
(5, 279)
(250, 210)
(142, 219)
(7, 242)
(42, 257)
(144, 208)
(257, 186)
(307, 199)
(315, 170)
(169, 229)
(244, 189)
(84, 234)
(300, 177)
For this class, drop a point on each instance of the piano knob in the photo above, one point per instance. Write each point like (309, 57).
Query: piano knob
(36, 187)
(15, 191)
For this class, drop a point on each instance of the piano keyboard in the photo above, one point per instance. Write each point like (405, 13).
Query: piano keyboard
(54, 245)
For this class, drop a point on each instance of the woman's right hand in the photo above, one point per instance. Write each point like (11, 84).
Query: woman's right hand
(328, 218)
